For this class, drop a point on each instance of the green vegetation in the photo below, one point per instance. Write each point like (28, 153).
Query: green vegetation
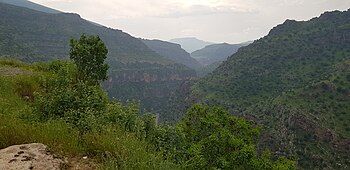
(294, 82)
(45, 103)
(33, 36)
(89, 54)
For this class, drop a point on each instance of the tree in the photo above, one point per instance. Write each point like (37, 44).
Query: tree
(89, 54)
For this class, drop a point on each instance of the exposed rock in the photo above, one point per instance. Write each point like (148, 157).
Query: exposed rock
(29, 156)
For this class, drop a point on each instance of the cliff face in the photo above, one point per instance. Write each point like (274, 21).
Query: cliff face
(150, 84)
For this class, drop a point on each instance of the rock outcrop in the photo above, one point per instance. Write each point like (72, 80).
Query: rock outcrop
(29, 156)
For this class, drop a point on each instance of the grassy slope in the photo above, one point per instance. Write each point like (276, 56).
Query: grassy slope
(18, 82)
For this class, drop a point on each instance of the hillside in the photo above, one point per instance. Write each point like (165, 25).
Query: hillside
(295, 81)
(190, 44)
(31, 36)
(50, 119)
(34, 36)
(215, 53)
(173, 52)
(30, 5)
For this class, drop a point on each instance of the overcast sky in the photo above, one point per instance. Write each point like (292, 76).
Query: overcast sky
(231, 21)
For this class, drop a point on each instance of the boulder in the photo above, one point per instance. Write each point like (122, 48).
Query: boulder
(29, 156)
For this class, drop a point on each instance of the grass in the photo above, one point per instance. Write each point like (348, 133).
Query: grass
(109, 148)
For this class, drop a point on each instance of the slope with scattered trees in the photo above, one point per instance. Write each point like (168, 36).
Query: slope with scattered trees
(295, 81)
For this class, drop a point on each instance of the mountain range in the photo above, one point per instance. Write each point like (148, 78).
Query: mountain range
(295, 82)
(190, 44)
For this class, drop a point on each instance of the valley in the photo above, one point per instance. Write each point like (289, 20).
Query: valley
(279, 102)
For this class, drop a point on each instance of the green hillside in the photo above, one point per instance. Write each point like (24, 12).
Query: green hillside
(31, 35)
(295, 81)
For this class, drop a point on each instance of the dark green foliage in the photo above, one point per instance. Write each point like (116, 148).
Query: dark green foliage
(209, 137)
(217, 139)
(293, 81)
(89, 54)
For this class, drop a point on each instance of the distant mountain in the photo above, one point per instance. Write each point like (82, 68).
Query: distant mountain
(295, 82)
(190, 44)
(215, 53)
(173, 52)
(136, 71)
(30, 5)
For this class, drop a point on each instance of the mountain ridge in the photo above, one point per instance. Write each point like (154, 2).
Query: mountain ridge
(295, 82)
(173, 52)
(31, 5)
(215, 53)
(190, 44)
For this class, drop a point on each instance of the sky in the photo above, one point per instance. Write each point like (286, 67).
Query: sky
(231, 21)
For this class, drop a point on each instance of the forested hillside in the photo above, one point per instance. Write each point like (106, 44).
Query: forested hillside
(294, 81)
(31, 35)
(173, 52)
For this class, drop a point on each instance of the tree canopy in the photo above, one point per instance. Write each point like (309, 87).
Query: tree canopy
(89, 54)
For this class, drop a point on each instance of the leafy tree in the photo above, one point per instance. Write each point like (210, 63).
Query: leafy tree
(89, 54)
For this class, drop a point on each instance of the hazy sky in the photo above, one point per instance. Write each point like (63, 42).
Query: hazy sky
(229, 21)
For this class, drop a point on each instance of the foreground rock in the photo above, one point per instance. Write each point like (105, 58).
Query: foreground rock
(30, 156)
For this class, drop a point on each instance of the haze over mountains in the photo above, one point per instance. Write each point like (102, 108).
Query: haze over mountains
(173, 52)
(293, 85)
(215, 53)
(190, 44)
